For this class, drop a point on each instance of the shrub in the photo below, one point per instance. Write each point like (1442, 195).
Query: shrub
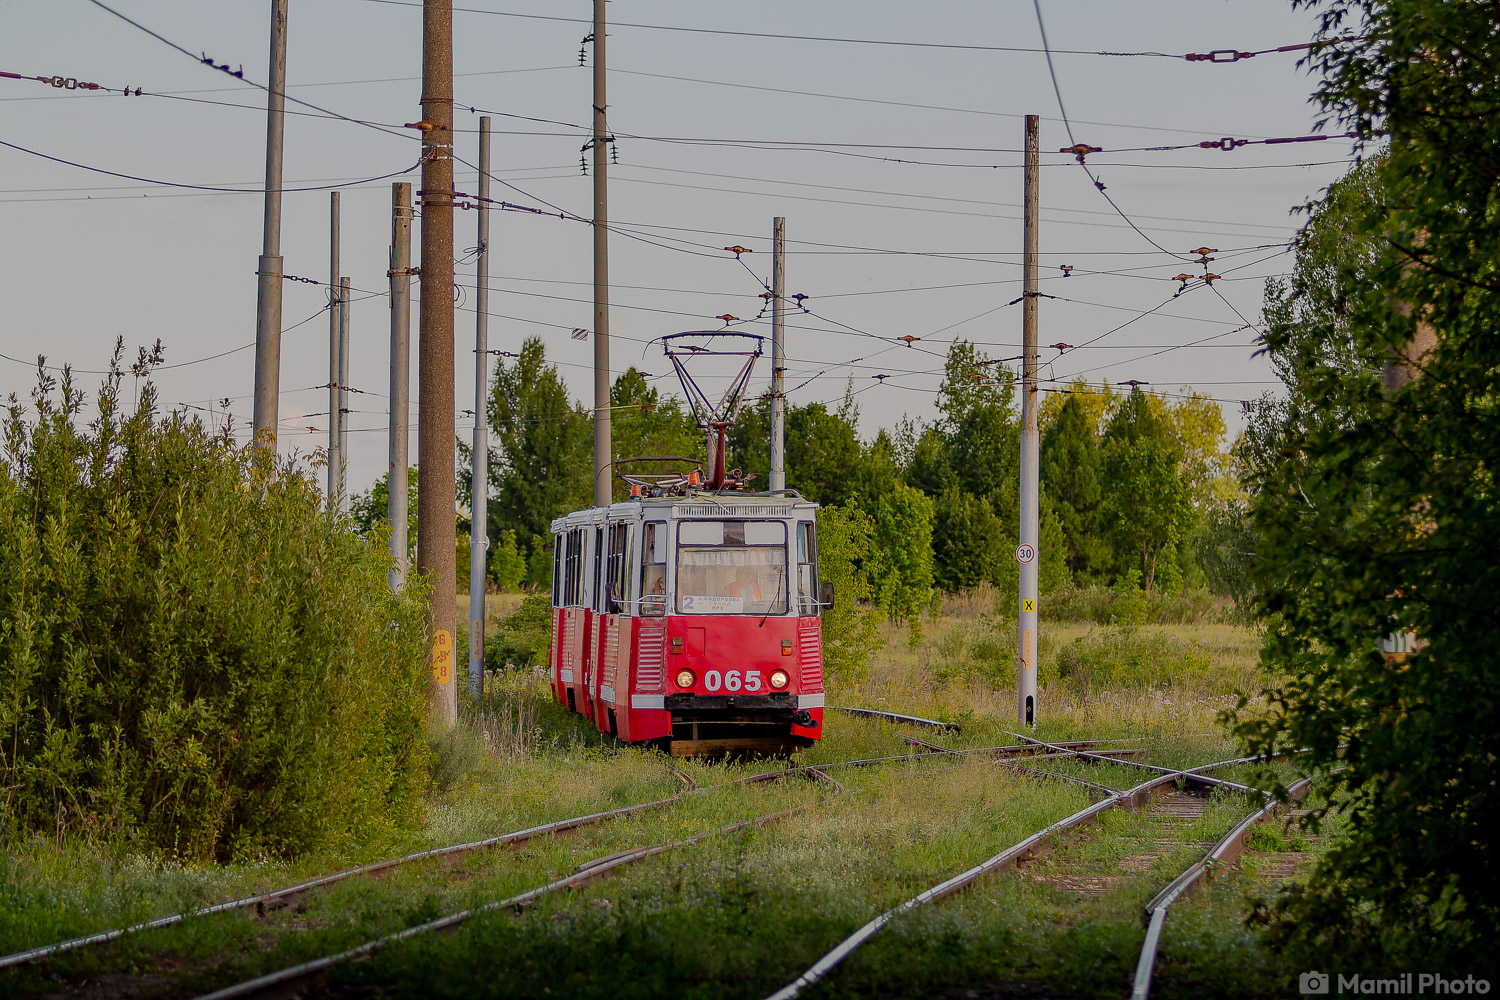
(524, 637)
(193, 653)
(1130, 659)
(507, 565)
(850, 631)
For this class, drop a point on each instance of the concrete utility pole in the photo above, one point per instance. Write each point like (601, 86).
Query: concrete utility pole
(344, 395)
(268, 280)
(479, 540)
(400, 416)
(436, 426)
(778, 354)
(603, 481)
(1027, 553)
(335, 401)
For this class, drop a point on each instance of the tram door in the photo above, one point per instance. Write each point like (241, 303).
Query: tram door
(615, 630)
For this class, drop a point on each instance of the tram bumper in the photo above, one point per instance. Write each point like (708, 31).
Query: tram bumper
(712, 724)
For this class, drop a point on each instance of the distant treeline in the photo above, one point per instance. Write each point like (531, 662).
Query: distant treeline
(1136, 486)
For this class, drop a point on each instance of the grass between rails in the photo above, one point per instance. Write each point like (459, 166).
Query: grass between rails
(741, 914)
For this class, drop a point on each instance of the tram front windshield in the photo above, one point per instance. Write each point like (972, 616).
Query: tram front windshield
(731, 568)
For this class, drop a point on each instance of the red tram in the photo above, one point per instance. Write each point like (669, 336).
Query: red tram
(690, 618)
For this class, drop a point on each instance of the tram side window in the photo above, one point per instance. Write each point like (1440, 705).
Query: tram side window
(557, 570)
(573, 570)
(599, 603)
(617, 582)
(807, 569)
(654, 569)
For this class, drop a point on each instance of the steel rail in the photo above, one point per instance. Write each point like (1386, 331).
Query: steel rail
(1198, 778)
(911, 720)
(1223, 853)
(1130, 798)
(1009, 750)
(587, 872)
(272, 895)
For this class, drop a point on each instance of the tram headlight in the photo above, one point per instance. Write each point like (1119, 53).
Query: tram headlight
(779, 679)
(686, 678)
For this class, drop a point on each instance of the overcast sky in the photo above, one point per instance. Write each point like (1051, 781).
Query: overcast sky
(88, 257)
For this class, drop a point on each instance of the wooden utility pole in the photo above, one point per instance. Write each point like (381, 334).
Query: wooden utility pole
(1028, 551)
(778, 354)
(400, 415)
(436, 427)
(335, 400)
(268, 274)
(603, 481)
(343, 381)
(479, 472)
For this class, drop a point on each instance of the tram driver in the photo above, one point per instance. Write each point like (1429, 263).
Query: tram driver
(745, 586)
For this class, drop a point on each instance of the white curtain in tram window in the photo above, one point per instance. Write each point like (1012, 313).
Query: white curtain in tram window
(756, 574)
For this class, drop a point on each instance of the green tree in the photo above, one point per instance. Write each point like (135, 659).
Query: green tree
(368, 509)
(969, 542)
(900, 562)
(823, 452)
(1145, 507)
(1376, 508)
(1070, 480)
(646, 422)
(541, 466)
(507, 566)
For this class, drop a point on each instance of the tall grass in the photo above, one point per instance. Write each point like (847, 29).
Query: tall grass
(194, 656)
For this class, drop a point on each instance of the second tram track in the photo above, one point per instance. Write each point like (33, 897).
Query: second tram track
(1030, 846)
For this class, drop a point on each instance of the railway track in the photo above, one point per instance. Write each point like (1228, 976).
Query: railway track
(1018, 757)
(1222, 854)
(1134, 798)
(290, 980)
(283, 894)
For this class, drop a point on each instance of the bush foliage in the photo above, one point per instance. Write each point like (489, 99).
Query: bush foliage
(193, 655)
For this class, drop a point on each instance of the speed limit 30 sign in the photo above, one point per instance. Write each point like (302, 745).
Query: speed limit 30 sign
(1025, 553)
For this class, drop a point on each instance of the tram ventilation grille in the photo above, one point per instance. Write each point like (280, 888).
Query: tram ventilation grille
(733, 510)
(810, 655)
(611, 653)
(650, 673)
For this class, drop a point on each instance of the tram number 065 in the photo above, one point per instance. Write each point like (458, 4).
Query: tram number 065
(732, 680)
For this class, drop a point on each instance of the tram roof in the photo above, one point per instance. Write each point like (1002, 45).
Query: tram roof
(698, 503)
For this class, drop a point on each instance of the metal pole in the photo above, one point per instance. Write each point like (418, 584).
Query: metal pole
(400, 417)
(603, 482)
(335, 440)
(436, 427)
(479, 540)
(1028, 552)
(344, 395)
(778, 354)
(268, 281)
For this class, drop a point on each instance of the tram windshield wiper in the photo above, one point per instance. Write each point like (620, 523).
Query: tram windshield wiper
(780, 577)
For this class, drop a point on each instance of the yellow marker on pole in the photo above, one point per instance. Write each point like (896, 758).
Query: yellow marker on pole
(442, 657)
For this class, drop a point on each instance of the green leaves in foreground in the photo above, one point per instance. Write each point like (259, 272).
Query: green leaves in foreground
(192, 653)
(1376, 501)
